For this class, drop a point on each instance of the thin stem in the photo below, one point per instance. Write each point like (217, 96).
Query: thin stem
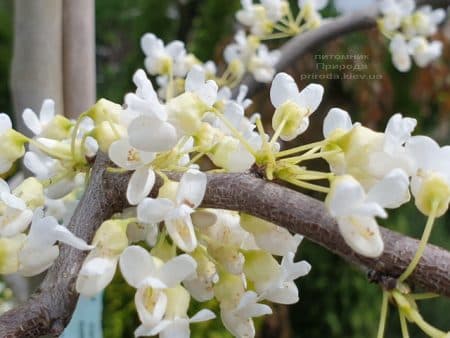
(277, 133)
(275, 36)
(195, 159)
(424, 326)
(403, 325)
(383, 315)
(424, 296)
(299, 149)
(306, 185)
(422, 245)
(308, 156)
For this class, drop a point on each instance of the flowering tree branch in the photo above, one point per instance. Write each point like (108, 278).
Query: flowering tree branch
(330, 30)
(49, 310)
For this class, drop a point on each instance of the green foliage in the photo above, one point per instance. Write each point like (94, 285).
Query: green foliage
(213, 23)
(119, 26)
(5, 53)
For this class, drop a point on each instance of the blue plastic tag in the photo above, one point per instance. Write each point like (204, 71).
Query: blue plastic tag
(87, 319)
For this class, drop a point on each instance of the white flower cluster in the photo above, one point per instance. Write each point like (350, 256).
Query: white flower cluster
(206, 254)
(28, 236)
(171, 63)
(376, 171)
(408, 29)
(265, 17)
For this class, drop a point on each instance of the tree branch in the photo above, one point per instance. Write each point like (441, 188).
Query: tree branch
(49, 310)
(306, 42)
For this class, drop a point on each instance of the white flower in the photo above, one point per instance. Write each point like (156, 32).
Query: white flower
(255, 17)
(95, 274)
(15, 216)
(44, 168)
(293, 108)
(337, 120)
(11, 144)
(238, 320)
(430, 183)
(196, 83)
(122, 153)
(393, 153)
(161, 59)
(262, 63)
(355, 216)
(367, 155)
(38, 124)
(230, 154)
(99, 267)
(147, 127)
(177, 214)
(271, 237)
(423, 51)
(282, 289)
(394, 11)
(176, 321)
(274, 8)
(355, 210)
(424, 21)
(39, 251)
(150, 276)
(400, 53)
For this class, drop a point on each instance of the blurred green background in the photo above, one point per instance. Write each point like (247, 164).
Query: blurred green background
(336, 300)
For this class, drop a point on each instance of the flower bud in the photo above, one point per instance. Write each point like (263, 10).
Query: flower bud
(105, 110)
(9, 253)
(106, 135)
(186, 112)
(433, 188)
(31, 192)
(111, 237)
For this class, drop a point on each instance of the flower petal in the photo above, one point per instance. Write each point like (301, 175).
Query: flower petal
(47, 112)
(283, 88)
(151, 210)
(202, 316)
(148, 133)
(32, 121)
(310, 97)
(392, 191)
(345, 193)
(336, 119)
(362, 234)
(62, 234)
(5, 123)
(136, 265)
(177, 269)
(140, 185)
(95, 274)
(293, 270)
(194, 79)
(181, 230)
(124, 155)
(192, 187)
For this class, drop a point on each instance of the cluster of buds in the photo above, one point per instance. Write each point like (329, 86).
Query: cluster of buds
(408, 29)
